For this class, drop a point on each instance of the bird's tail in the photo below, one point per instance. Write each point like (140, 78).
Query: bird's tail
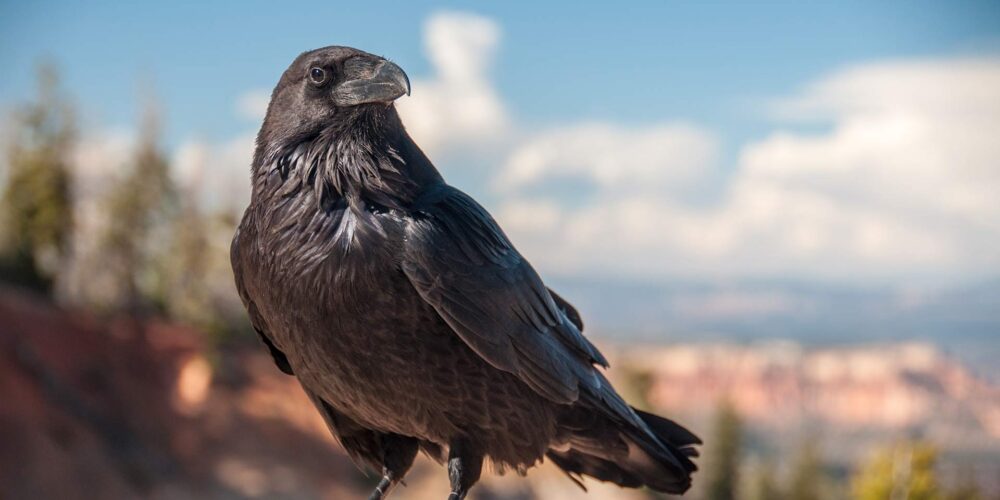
(628, 456)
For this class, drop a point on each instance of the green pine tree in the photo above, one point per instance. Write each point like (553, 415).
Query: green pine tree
(188, 296)
(722, 461)
(764, 484)
(139, 211)
(807, 479)
(37, 208)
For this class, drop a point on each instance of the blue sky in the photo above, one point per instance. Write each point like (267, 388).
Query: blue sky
(631, 62)
(848, 142)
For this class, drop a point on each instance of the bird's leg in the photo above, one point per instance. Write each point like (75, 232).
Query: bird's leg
(383, 488)
(397, 457)
(464, 467)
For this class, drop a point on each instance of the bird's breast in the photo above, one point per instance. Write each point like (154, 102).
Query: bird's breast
(318, 253)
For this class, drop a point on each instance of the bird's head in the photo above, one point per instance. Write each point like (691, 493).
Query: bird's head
(327, 86)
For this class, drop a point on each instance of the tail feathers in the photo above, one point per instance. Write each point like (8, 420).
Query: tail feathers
(576, 464)
(672, 434)
(631, 457)
(633, 469)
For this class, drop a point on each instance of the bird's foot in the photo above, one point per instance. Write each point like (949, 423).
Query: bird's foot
(464, 467)
(398, 456)
(382, 489)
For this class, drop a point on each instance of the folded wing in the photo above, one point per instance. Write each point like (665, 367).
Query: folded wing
(462, 264)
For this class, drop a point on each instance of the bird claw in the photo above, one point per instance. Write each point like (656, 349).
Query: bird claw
(381, 489)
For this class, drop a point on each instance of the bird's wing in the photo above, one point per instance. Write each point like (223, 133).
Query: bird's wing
(571, 313)
(255, 319)
(462, 264)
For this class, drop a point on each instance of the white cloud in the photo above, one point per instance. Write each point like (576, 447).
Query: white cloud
(904, 185)
(219, 174)
(612, 156)
(457, 107)
(901, 86)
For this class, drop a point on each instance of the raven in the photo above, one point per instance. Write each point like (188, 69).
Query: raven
(405, 312)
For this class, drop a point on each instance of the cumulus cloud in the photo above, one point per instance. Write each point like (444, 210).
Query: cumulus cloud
(612, 156)
(903, 185)
(910, 136)
(900, 86)
(217, 173)
(458, 106)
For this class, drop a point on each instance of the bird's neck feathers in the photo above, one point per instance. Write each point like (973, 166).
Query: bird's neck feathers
(365, 158)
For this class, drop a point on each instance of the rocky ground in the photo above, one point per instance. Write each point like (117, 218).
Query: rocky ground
(93, 408)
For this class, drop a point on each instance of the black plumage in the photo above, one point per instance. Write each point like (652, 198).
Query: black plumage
(406, 313)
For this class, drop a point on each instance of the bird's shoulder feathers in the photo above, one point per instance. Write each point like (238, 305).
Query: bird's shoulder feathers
(462, 264)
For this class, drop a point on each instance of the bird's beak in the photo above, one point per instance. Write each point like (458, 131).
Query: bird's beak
(387, 83)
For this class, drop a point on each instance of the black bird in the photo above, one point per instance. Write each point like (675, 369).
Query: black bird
(406, 313)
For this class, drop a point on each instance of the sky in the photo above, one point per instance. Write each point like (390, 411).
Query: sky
(850, 143)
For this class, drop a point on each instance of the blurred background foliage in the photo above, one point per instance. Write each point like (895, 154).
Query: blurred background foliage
(147, 249)
(37, 203)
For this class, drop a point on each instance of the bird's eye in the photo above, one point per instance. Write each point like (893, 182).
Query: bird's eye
(317, 75)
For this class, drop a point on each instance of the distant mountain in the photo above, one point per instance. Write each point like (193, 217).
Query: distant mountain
(852, 399)
(965, 322)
